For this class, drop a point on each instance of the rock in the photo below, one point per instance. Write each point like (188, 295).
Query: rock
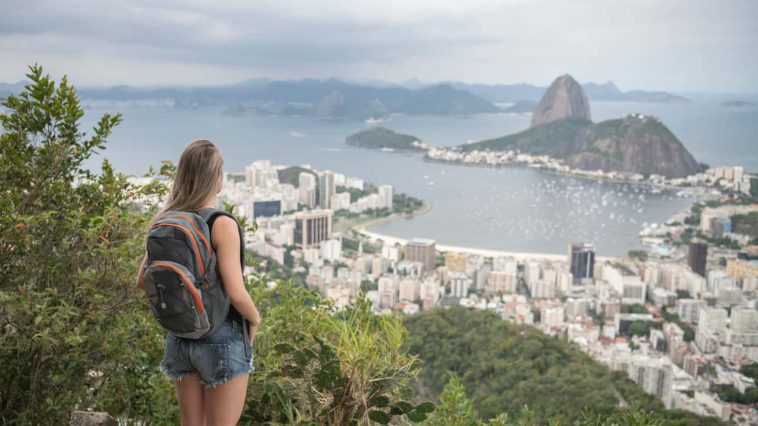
(91, 418)
(634, 144)
(565, 98)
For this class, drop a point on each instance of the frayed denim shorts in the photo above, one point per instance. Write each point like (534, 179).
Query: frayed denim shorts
(217, 358)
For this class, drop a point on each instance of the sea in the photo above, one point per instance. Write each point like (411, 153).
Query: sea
(514, 209)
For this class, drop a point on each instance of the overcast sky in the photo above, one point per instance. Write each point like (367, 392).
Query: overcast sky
(677, 45)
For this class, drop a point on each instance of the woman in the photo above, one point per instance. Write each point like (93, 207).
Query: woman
(207, 394)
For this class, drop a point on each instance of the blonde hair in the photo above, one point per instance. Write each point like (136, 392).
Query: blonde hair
(197, 175)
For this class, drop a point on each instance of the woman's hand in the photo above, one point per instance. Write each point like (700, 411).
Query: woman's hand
(252, 330)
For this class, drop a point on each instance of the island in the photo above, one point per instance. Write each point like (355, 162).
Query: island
(386, 139)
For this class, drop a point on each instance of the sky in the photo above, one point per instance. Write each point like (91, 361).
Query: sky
(672, 45)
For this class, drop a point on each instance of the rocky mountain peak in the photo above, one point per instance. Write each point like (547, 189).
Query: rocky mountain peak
(565, 98)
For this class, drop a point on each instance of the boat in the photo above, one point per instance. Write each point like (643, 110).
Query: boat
(376, 121)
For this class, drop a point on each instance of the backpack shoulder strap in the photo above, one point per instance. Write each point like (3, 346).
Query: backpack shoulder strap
(209, 214)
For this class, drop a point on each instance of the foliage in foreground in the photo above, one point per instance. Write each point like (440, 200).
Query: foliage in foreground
(69, 248)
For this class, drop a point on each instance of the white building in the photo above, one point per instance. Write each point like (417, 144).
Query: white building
(624, 283)
(459, 284)
(385, 193)
(388, 291)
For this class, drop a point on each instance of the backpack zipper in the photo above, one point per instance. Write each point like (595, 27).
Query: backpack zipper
(189, 285)
(160, 296)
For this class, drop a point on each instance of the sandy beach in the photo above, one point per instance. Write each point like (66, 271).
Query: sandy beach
(519, 256)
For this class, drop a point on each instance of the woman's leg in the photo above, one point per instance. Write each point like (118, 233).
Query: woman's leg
(191, 398)
(224, 403)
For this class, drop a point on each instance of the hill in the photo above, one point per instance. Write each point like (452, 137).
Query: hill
(563, 99)
(561, 128)
(504, 367)
(634, 144)
(379, 137)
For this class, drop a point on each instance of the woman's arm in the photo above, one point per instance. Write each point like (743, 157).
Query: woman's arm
(226, 239)
(141, 275)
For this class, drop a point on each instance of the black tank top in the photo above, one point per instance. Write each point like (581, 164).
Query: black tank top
(233, 314)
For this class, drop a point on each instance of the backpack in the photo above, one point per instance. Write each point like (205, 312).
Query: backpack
(181, 276)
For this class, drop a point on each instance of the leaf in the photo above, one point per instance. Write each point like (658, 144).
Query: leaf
(283, 348)
(416, 416)
(292, 371)
(401, 407)
(301, 358)
(379, 401)
(379, 416)
(425, 407)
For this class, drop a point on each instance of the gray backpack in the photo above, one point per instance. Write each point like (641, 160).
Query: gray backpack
(181, 277)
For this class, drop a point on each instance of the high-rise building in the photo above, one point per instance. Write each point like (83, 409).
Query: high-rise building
(422, 250)
(455, 262)
(460, 284)
(267, 208)
(326, 189)
(697, 256)
(712, 319)
(388, 291)
(385, 192)
(250, 176)
(581, 257)
(312, 227)
(307, 189)
(531, 272)
(744, 320)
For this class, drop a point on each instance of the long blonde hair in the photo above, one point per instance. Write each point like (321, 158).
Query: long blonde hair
(199, 170)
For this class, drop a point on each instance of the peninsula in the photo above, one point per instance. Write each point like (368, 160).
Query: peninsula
(562, 130)
(381, 138)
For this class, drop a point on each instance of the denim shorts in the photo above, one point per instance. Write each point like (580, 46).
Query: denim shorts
(217, 358)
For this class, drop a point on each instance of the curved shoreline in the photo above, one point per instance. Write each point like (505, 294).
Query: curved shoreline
(519, 256)
(360, 226)
(558, 172)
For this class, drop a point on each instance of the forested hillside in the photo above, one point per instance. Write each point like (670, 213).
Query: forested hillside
(505, 367)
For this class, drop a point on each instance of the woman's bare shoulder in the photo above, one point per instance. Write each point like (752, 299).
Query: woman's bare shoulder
(224, 230)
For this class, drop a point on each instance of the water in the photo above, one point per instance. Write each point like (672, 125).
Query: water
(514, 209)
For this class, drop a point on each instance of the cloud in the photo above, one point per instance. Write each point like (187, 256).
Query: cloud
(674, 45)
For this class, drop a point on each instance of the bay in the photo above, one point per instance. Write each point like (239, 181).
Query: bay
(512, 209)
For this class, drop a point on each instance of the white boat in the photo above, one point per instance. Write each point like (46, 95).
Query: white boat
(376, 121)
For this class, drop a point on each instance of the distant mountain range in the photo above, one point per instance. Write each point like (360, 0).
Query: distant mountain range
(343, 100)
(595, 92)
(316, 98)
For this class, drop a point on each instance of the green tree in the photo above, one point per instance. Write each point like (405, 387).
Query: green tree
(69, 247)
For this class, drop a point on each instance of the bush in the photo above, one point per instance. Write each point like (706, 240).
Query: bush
(69, 247)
